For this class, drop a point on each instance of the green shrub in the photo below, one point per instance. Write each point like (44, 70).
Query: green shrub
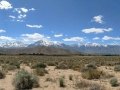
(2, 74)
(35, 81)
(92, 65)
(15, 63)
(25, 80)
(91, 74)
(117, 68)
(51, 63)
(39, 65)
(8, 67)
(61, 82)
(114, 82)
(70, 77)
(70, 64)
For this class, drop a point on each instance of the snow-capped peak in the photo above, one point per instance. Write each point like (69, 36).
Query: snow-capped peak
(46, 43)
(16, 44)
(90, 44)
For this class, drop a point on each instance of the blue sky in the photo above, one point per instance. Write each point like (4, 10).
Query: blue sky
(67, 21)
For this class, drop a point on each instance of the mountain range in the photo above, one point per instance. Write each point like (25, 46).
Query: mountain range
(89, 48)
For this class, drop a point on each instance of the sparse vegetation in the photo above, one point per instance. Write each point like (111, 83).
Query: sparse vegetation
(25, 80)
(96, 87)
(99, 68)
(39, 71)
(106, 75)
(39, 65)
(92, 65)
(2, 74)
(62, 65)
(49, 79)
(117, 68)
(114, 82)
(70, 77)
(51, 63)
(15, 63)
(8, 67)
(61, 82)
(91, 74)
(35, 81)
(82, 84)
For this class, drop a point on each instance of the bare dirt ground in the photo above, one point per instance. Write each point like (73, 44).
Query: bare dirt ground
(55, 74)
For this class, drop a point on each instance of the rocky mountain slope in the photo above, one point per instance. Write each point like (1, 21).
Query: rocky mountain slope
(91, 48)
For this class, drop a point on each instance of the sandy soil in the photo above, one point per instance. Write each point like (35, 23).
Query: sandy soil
(6, 83)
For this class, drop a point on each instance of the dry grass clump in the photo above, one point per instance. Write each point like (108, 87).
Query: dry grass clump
(78, 67)
(2, 74)
(117, 68)
(89, 86)
(49, 79)
(82, 84)
(39, 65)
(96, 87)
(91, 65)
(91, 74)
(40, 71)
(106, 75)
(62, 66)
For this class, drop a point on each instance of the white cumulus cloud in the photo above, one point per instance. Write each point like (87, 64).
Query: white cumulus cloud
(110, 38)
(2, 31)
(48, 37)
(22, 13)
(22, 16)
(34, 26)
(81, 39)
(20, 20)
(17, 10)
(6, 38)
(24, 10)
(98, 19)
(33, 36)
(96, 38)
(11, 16)
(32, 9)
(97, 30)
(5, 5)
(58, 35)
